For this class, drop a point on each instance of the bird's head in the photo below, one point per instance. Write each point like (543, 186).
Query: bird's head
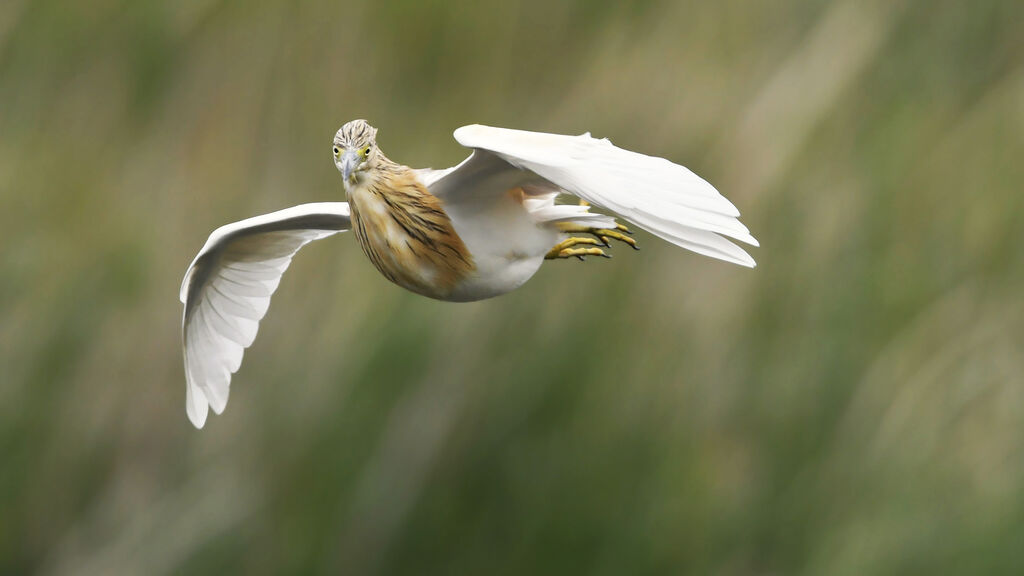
(355, 150)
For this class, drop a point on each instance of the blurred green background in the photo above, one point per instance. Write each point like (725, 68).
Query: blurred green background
(854, 405)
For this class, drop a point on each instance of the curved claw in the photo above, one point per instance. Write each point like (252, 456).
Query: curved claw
(605, 234)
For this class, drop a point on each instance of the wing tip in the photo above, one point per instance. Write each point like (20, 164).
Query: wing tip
(747, 262)
(737, 256)
(746, 238)
(464, 134)
(744, 259)
(196, 406)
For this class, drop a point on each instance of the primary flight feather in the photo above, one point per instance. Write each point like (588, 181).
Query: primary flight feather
(473, 231)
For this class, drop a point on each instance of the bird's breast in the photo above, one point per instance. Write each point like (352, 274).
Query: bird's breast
(406, 234)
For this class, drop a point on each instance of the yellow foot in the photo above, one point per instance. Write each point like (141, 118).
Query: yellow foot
(564, 249)
(607, 235)
(578, 252)
(603, 234)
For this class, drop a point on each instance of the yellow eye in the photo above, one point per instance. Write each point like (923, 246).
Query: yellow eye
(366, 151)
(336, 151)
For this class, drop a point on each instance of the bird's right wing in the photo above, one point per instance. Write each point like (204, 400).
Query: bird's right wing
(657, 195)
(227, 289)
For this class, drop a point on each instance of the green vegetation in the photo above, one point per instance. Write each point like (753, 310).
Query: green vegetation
(854, 405)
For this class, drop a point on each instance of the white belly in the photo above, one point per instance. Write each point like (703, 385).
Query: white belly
(507, 245)
(494, 277)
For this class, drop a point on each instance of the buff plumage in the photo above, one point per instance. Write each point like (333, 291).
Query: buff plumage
(404, 231)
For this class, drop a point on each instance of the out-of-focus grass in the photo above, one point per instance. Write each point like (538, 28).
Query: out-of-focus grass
(854, 405)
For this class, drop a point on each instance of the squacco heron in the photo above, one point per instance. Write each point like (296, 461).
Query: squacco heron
(473, 231)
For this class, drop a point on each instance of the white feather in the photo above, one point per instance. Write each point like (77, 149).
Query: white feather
(568, 213)
(227, 289)
(664, 198)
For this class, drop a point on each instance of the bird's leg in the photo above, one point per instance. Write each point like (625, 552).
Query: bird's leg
(603, 234)
(565, 249)
(602, 237)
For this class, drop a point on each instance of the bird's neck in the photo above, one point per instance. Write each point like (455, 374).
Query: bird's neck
(387, 181)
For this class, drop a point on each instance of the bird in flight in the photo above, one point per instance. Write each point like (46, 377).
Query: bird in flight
(470, 232)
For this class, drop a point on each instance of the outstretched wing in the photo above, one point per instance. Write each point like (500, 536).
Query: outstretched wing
(663, 198)
(227, 289)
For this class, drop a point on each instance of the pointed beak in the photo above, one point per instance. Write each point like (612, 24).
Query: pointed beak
(348, 164)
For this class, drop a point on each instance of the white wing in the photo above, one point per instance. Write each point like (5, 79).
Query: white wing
(227, 289)
(663, 198)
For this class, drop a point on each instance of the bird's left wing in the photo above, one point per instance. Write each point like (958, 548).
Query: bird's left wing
(227, 289)
(657, 195)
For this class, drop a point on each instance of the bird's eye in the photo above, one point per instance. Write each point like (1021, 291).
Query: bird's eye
(366, 151)
(336, 151)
